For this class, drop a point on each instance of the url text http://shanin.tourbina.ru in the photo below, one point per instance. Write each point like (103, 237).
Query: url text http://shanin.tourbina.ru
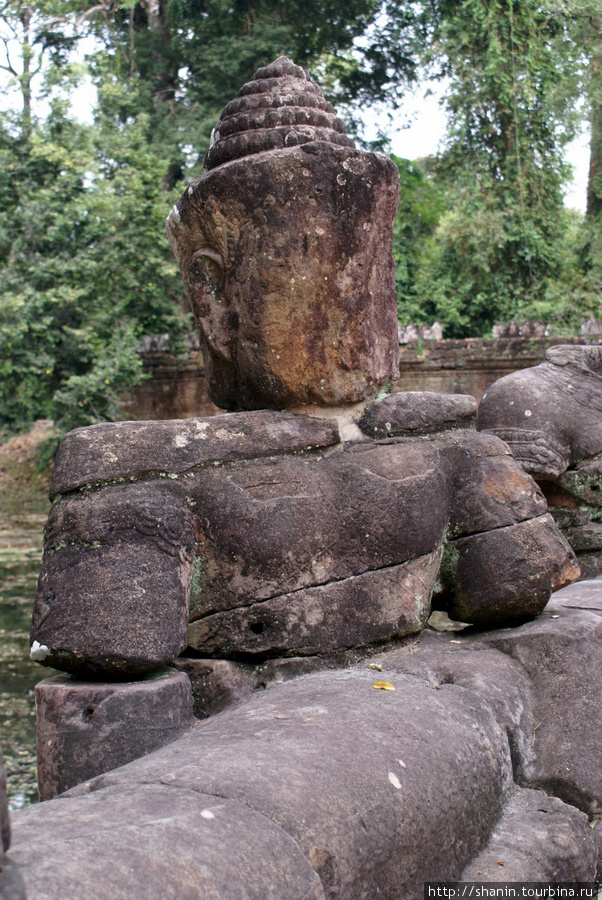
(512, 890)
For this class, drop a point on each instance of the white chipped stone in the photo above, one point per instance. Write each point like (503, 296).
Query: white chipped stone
(39, 652)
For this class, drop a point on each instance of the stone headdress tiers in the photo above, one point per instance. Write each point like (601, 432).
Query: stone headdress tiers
(280, 107)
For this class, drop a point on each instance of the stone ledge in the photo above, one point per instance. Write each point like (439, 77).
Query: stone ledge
(380, 790)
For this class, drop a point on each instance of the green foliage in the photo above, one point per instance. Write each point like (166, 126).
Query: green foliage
(188, 59)
(486, 263)
(84, 269)
(501, 245)
(421, 205)
(481, 233)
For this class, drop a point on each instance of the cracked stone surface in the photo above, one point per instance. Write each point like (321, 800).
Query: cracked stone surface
(370, 791)
(123, 450)
(286, 258)
(550, 417)
(85, 728)
(418, 412)
(307, 551)
(538, 838)
(161, 841)
(113, 592)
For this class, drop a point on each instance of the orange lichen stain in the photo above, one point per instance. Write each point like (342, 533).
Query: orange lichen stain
(507, 485)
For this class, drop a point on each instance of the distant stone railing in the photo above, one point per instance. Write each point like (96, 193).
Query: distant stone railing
(176, 387)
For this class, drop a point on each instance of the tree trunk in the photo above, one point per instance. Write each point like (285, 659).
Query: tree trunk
(594, 180)
(26, 75)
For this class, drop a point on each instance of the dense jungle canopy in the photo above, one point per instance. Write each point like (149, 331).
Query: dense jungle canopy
(482, 233)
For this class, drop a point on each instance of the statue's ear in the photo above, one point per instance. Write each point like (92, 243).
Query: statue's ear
(210, 305)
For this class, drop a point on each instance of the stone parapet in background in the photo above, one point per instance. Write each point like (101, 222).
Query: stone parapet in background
(470, 365)
(175, 388)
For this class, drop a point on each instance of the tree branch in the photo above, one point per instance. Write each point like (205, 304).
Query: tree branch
(9, 66)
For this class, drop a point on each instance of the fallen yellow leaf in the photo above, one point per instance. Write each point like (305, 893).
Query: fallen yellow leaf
(383, 686)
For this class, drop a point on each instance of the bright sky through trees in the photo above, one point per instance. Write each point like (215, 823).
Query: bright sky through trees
(426, 129)
(421, 135)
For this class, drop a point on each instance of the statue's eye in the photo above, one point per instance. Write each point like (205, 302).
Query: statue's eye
(208, 267)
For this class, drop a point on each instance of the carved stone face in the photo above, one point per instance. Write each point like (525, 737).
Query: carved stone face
(286, 257)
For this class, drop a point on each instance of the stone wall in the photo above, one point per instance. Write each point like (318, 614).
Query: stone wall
(469, 366)
(176, 389)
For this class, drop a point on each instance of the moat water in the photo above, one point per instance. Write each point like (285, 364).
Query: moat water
(20, 554)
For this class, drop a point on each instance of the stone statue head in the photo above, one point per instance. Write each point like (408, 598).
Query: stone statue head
(284, 245)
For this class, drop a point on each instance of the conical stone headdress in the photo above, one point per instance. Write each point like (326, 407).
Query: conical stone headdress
(280, 107)
(284, 245)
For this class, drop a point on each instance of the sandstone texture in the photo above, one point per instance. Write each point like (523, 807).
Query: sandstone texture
(285, 250)
(561, 654)
(551, 415)
(120, 451)
(219, 683)
(12, 886)
(315, 550)
(363, 609)
(86, 728)
(162, 843)
(551, 418)
(320, 758)
(358, 792)
(340, 513)
(280, 107)
(113, 592)
(418, 412)
(483, 585)
(537, 839)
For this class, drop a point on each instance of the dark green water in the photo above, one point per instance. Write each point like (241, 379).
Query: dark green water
(20, 553)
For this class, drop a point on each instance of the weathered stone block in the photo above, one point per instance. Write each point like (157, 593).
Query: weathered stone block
(550, 415)
(507, 574)
(584, 482)
(216, 683)
(220, 683)
(116, 451)
(538, 839)
(86, 728)
(160, 842)
(381, 790)
(582, 527)
(127, 564)
(590, 564)
(375, 606)
(418, 412)
(490, 489)
(560, 651)
(113, 592)
(464, 660)
(269, 528)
